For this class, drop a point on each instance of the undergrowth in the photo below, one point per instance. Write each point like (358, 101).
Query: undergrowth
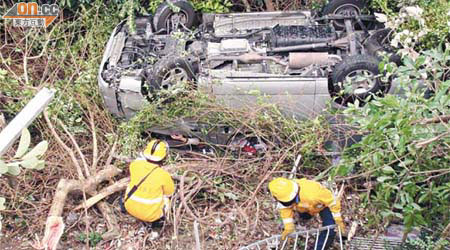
(404, 152)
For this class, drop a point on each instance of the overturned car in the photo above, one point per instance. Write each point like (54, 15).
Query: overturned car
(299, 59)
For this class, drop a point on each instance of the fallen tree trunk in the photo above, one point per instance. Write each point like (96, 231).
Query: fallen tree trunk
(54, 226)
(116, 187)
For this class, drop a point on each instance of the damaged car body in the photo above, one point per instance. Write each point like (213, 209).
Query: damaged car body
(300, 60)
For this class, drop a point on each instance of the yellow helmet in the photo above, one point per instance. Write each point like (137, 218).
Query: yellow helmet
(156, 150)
(283, 189)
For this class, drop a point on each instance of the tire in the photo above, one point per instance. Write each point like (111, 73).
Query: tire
(164, 13)
(167, 72)
(379, 42)
(343, 7)
(354, 67)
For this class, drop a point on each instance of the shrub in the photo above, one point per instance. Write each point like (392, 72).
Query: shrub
(406, 144)
(418, 24)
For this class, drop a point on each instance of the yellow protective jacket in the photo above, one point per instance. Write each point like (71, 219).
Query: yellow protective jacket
(313, 198)
(151, 198)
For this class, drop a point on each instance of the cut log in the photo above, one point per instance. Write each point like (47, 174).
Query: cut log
(116, 187)
(53, 231)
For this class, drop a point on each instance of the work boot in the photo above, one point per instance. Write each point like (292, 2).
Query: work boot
(159, 224)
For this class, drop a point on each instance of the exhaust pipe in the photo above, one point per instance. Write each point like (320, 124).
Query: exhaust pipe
(301, 60)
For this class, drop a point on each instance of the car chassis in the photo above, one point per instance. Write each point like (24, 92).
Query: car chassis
(298, 59)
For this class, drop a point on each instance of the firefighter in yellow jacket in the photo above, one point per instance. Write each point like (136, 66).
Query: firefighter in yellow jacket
(308, 198)
(147, 195)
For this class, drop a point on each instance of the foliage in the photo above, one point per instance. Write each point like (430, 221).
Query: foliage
(24, 158)
(213, 6)
(131, 8)
(94, 238)
(11, 88)
(266, 121)
(317, 4)
(127, 10)
(65, 56)
(418, 24)
(73, 5)
(402, 149)
(425, 241)
(82, 36)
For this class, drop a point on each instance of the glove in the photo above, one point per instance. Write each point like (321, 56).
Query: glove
(288, 229)
(341, 225)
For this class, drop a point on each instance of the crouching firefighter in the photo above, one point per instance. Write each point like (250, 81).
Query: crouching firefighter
(147, 194)
(308, 198)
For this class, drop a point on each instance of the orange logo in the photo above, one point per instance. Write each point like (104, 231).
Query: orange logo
(32, 15)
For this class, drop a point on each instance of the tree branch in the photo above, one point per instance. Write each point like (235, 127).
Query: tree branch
(116, 187)
(424, 143)
(94, 142)
(248, 8)
(438, 119)
(77, 147)
(269, 5)
(64, 146)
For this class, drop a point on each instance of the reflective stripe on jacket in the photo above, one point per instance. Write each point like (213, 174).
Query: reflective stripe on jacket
(313, 198)
(148, 202)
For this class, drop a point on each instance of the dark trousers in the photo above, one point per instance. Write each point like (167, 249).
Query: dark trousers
(327, 220)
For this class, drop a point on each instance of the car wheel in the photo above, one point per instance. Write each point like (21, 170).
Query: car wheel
(344, 8)
(169, 71)
(357, 78)
(173, 14)
(380, 42)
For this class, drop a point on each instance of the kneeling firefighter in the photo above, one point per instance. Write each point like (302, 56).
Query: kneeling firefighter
(147, 194)
(308, 198)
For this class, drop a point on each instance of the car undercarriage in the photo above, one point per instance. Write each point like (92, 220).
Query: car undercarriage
(299, 60)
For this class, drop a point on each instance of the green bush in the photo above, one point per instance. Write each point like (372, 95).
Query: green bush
(425, 241)
(213, 6)
(424, 24)
(404, 150)
(266, 122)
(23, 158)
